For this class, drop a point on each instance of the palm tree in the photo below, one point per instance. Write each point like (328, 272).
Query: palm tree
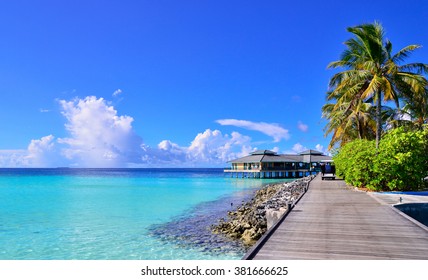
(373, 73)
(348, 121)
(416, 108)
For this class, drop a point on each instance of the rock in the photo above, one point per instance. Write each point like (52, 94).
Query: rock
(249, 236)
(251, 219)
(246, 226)
(273, 216)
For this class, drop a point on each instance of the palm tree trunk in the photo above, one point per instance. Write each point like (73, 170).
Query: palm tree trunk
(359, 127)
(378, 117)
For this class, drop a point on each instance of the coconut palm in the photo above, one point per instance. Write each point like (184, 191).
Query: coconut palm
(348, 121)
(372, 72)
(416, 108)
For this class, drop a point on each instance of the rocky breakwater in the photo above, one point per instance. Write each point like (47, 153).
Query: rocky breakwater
(253, 218)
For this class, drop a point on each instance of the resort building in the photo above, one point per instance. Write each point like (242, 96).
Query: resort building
(268, 164)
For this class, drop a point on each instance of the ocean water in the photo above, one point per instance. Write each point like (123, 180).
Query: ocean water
(118, 214)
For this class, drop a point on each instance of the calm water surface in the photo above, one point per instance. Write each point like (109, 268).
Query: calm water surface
(117, 213)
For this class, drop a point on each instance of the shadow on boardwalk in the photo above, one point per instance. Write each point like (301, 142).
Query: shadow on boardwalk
(332, 221)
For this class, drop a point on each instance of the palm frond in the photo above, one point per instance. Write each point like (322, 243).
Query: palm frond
(372, 74)
(419, 68)
(404, 53)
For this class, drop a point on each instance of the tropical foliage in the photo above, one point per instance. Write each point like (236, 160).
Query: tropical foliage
(372, 75)
(400, 163)
(354, 162)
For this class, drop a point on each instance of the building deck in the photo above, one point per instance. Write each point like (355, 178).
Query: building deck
(333, 221)
(269, 173)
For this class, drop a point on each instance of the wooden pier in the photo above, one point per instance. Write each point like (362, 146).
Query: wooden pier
(333, 221)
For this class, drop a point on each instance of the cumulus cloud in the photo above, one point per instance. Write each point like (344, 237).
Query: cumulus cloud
(39, 153)
(98, 136)
(298, 148)
(321, 148)
(302, 127)
(210, 147)
(14, 158)
(271, 129)
(40, 145)
(167, 152)
(275, 149)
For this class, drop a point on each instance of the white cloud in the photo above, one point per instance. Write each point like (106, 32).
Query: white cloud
(98, 136)
(14, 158)
(212, 145)
(169, 152)
(271, 129)
(41, 145)
(321, 148)
(298, 148)
(302, 127)
(208, 148)
(275, 149)
(117, 92)
(39, 153)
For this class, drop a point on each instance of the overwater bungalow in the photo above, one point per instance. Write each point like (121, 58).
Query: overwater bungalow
(268, 164)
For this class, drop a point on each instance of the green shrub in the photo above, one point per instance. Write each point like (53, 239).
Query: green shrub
(354, 162)
(402, 160)
(400, 164)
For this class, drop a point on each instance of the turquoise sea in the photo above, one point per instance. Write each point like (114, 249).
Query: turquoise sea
(118, 214)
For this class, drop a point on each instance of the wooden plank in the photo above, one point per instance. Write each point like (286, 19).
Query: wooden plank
(332, 221)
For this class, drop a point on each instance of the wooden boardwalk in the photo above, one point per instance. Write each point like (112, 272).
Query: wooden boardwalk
(332, 221)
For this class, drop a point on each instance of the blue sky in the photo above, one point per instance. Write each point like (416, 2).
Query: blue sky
(175, 83)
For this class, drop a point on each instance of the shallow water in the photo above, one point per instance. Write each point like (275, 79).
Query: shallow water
(117, 213)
